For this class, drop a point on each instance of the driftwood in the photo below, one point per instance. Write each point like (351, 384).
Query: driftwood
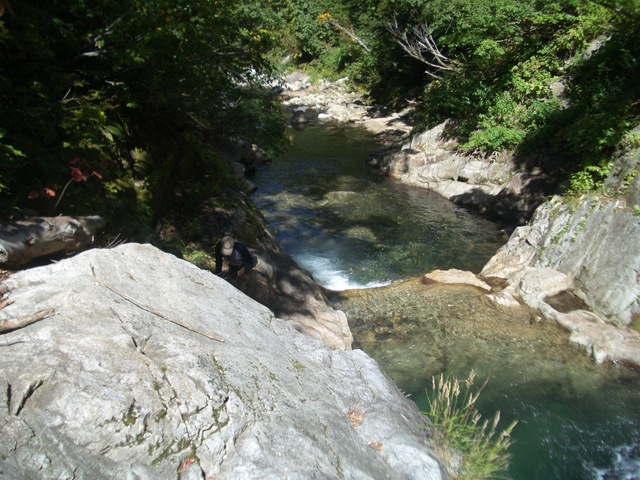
(25, 240)
(16, 323)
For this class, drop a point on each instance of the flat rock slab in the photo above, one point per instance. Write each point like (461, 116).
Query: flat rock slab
(125, 380)
(454, 276)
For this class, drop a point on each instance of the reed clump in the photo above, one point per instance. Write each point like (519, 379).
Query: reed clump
(483, 447)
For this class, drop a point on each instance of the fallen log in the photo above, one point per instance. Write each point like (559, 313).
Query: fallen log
(25, 240)
(20, 322)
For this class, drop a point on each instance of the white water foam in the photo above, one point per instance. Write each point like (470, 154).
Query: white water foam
(626, 465)
(330, 277)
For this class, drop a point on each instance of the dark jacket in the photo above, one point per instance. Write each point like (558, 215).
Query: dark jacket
(240, 257)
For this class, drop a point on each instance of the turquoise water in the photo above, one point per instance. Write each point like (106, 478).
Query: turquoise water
(577, 420)
(353, 229)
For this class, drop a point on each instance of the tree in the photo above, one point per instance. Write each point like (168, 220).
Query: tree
(97, 82)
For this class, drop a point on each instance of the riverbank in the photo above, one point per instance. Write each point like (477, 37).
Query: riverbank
(497, 187)
(583, 249)
(334, 102)
(148, 367)
(319, 198)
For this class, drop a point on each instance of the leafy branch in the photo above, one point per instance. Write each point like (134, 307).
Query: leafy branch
(77, 176)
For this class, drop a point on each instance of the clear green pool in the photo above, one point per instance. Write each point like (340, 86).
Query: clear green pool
(352, 229)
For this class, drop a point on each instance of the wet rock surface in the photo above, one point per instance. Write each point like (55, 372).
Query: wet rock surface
(586, 250)
(495, 186)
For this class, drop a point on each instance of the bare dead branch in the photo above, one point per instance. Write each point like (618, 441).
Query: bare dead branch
(147, 308)
(420, 44)
(326, 17)
(20, 322)
(351, 34)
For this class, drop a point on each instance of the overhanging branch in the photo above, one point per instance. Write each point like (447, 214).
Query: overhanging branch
(420, 44)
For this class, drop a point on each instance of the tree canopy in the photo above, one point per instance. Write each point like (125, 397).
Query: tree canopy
(111, 95)
(109, 107)
(548, 78)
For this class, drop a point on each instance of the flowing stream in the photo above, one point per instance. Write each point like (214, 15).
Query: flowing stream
(365, 237)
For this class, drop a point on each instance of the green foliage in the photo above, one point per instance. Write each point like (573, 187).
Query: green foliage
(604, 100)
(312, 37)
(453, 414)
(590, 178)
(11, 157)
(331, 37)
(200, 259)
(97, 82)
(508, 54)
(512, 51)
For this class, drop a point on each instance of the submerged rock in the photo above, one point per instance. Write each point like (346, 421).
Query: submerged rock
(127, 380)
(299, 117)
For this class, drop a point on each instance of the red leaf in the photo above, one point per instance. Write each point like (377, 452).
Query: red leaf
(96, 174)
(33, 195)
(49, 192)
(73, 161)
(77, 175)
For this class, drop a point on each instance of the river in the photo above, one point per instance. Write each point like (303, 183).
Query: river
(356, 232)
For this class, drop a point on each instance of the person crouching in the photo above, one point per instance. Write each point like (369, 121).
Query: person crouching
(233, 259)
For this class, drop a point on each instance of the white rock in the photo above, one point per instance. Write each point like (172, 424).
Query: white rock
(112, 387)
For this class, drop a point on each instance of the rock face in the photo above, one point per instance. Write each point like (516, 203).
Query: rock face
(578, 250)
(585, 250)
(126, 381)
(279, 283)
(494, 186)
(577, 262)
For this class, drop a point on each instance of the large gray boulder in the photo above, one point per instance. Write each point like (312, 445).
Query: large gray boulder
(127, 380)
(586, 249)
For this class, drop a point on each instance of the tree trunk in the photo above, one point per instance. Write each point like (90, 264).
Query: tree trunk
(26, 240)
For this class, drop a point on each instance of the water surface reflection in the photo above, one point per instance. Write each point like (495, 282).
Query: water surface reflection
(352, 228)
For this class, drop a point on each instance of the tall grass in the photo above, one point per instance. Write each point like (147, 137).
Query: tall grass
(483, 447)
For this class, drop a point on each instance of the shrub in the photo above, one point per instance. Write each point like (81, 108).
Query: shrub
(453, 413)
